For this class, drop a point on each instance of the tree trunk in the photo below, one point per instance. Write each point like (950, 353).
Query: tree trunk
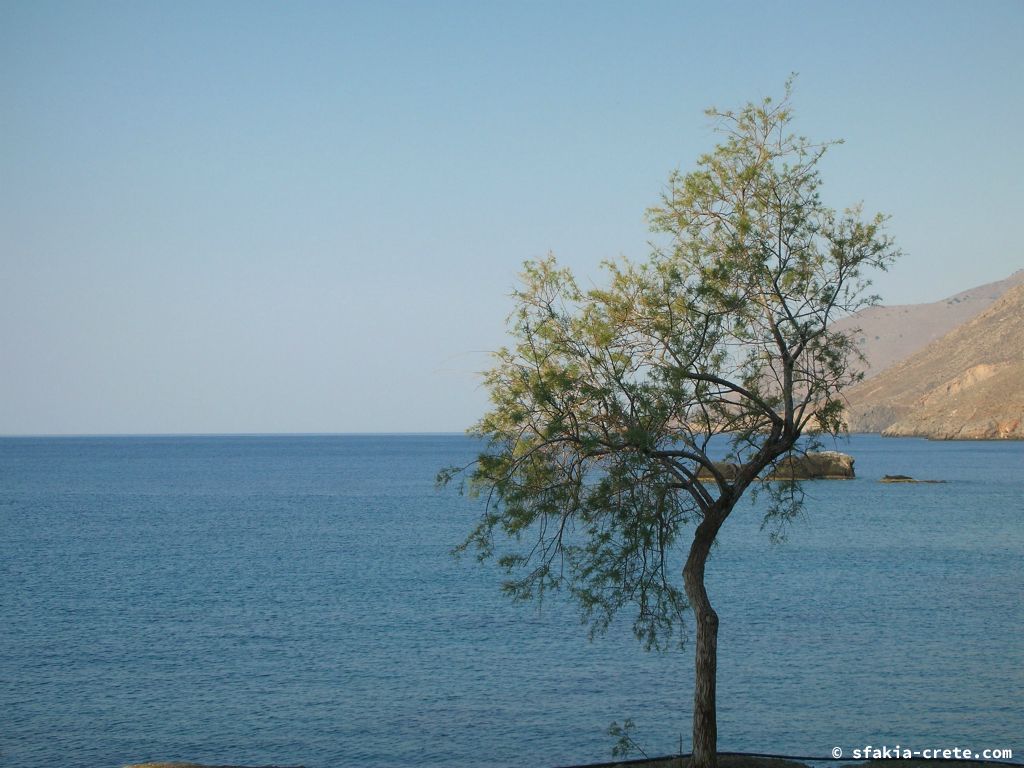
(705, 723)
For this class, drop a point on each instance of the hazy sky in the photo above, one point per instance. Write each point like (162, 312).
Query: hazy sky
(307, 217)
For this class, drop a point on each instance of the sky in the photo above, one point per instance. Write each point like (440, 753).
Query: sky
(255, 217)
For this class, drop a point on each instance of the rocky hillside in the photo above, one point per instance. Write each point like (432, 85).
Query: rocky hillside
(969, 384)
(891, 334)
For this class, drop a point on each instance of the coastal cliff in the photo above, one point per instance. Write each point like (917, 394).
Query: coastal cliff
(887, 335)
(967, 385)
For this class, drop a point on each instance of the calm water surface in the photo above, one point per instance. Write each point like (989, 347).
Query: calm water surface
(290, 600)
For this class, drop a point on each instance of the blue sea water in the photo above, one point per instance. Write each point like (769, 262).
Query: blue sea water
(291, 600)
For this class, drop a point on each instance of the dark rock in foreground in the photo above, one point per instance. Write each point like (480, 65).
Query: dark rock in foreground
(755, 761)
(724, 761)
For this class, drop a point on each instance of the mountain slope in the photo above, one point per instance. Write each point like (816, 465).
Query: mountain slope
(969, 384)
(891, 334)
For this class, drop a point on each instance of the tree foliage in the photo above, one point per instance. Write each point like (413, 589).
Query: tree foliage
(613, 406)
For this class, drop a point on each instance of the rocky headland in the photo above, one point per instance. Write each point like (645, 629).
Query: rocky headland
(966, 385)
(887, 335)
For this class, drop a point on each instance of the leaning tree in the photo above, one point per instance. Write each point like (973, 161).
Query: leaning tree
(622, 415)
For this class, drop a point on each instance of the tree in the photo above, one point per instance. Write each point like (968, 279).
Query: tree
(612, 405)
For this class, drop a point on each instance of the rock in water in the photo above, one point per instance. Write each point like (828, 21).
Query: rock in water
(726, 469)
(824, 465)
(905, 479)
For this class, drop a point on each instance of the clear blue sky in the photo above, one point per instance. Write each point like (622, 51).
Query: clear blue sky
(307, 217)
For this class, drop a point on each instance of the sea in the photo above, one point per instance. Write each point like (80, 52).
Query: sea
(293, 600)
